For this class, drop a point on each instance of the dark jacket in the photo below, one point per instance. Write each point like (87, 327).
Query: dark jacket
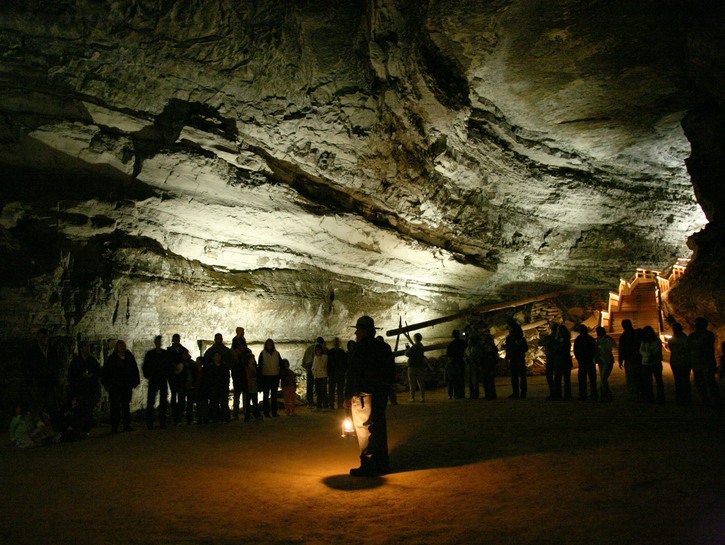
(120, 375)
(80, 385)
(370, 368)
(336, 362)
(156, 366)
(585, 346)
(40, 369)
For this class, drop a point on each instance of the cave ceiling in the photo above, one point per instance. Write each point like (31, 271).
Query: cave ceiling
(425, 150)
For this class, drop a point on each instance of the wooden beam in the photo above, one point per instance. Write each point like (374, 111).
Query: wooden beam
(439, 346)
(477, 310)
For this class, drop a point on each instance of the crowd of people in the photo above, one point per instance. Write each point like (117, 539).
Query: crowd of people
(359, 380)
(197, 390)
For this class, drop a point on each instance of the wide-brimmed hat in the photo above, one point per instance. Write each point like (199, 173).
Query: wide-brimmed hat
(365, 322)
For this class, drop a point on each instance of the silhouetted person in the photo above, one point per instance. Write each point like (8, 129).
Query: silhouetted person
(650, 347)
(631, 360)
(307, 360)
(680, 363)
(336, 370)
(84, 374)
(548, 343)
(455, 366)
(562, 363)
(489, 366)
(238, 339)
(319, 370)
(584, 350)
(156, 369)
(240, 354)
(216, 376)
(473, 361)
(516, 347)
(702, 354)
(40, 369)
(416, 367)
(269, 363)
(177, 378)
(370, 374)
(605, 360)
(392, 393)
(119, 377)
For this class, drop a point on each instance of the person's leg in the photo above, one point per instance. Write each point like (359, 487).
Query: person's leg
(310, 387)
(274, 386)
(150, 400)
(582, 378)
(657, 372)
(522, 378)
(360, 412)
(163, 403)
(115, 409)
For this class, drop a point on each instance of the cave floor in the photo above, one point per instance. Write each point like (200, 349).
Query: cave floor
(510, 471)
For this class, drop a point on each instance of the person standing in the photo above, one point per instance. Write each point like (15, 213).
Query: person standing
(177, 378)
(238, 339)
(489, 366)
(455, 366)
(631, 360)
(702, 353)
(288, 381)
(84, 374)
(548, 343)
(516, 348)
(307, 359)
(562, 362)
(392, 392)
(370, 375)
(216, 376)
(336, 369)
(119, 377)
(239, 373)
(472, 358)
(319, 370)
(585, 348)
(269, 363)
(416, 367)
(680, 363)
(251, 395)
(651, 350)
(604, 356)
(40, 368)
(156, 370)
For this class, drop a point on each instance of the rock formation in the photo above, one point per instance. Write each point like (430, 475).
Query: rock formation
(189, 166)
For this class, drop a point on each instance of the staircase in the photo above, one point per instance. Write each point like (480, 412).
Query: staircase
(636, 300)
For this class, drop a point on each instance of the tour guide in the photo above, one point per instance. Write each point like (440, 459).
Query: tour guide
(370, 374)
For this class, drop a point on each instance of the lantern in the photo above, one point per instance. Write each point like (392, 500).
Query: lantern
(348, 430)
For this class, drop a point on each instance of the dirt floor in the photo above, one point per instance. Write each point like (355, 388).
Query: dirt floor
(510, 471)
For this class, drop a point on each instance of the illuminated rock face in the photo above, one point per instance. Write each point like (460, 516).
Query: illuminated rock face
(187, 167)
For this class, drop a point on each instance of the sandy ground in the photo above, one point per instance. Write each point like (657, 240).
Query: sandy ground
(510, 471)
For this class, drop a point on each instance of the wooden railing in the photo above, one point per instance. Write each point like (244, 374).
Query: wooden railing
(664, 282)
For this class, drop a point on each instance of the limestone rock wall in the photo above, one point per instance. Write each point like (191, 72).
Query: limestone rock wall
(287, 166)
